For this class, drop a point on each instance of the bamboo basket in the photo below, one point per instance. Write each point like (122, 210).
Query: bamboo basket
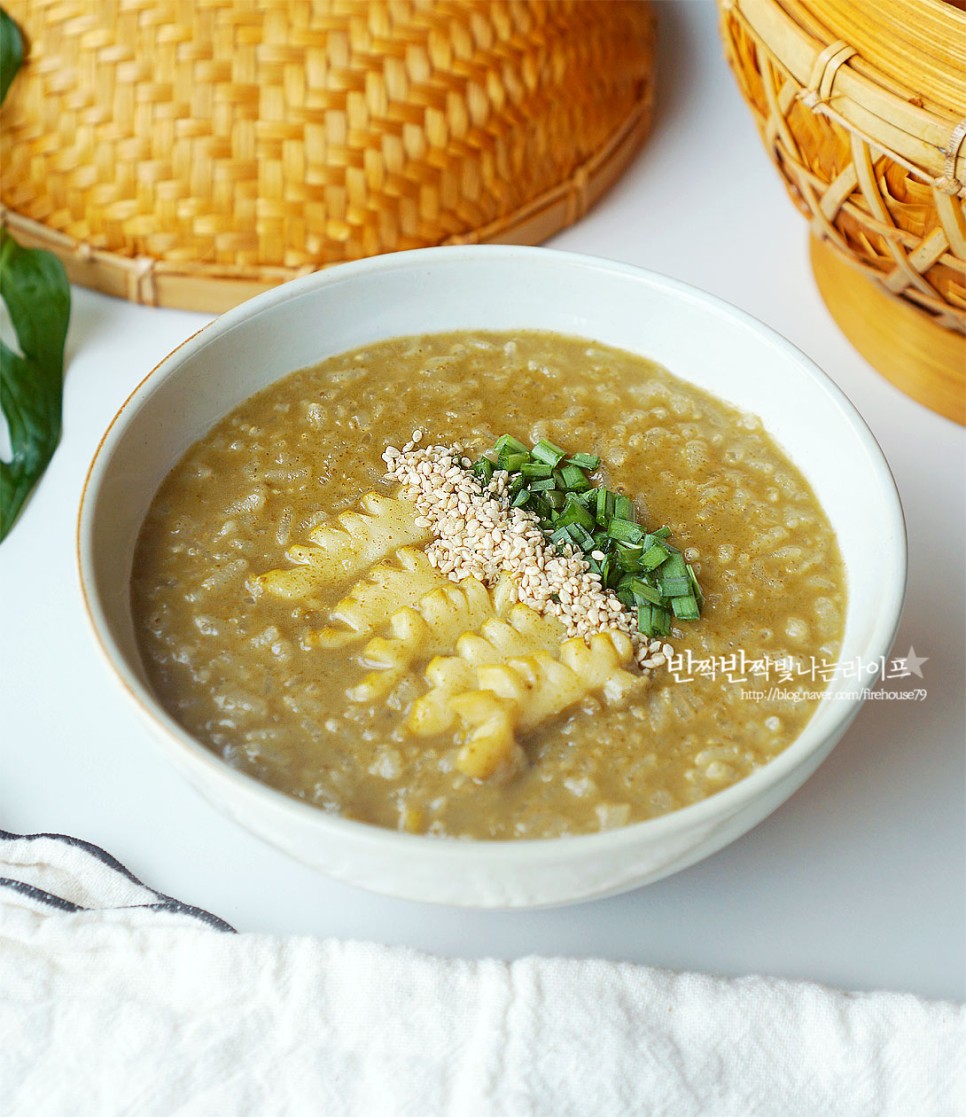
(193, 154)
(862, 108)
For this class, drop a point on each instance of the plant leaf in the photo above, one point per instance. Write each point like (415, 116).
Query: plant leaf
(34, 286)
(11, 52)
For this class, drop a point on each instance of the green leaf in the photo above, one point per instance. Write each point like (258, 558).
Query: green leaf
(11, 52)
(35, 288)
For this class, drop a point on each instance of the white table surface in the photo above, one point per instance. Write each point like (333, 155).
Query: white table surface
(859, 881)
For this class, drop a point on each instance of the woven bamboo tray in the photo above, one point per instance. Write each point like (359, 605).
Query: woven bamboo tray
(862, 108)
(194, 154)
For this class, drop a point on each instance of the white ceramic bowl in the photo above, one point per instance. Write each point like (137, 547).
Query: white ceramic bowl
(695, 336)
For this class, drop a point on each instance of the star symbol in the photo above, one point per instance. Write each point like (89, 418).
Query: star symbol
(911, 664)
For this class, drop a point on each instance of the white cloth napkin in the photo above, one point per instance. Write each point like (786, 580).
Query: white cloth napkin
(117, 1000)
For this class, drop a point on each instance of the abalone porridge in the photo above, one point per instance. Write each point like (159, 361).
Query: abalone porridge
(487, 585)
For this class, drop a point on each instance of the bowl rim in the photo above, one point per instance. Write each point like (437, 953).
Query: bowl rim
(510, 851)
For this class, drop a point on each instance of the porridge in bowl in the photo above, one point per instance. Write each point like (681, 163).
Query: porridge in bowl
(471, 584)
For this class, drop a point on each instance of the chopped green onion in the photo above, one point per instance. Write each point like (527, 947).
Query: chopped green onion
(536, 469)
(675, 567)
(584, 461)
(614, 573)
(624, 508)
(483, 468)
(600, 511)
(575, 513)
(643, 593)
(695, 587)
(512, 461)
(582, 537)
(628, 558)
(624, 531)
(508, 442)
(607, 572)
(652, 620)
(654, 556)
(540, 506)
(546, 451)
(574, 478)
(676, 587)
(685, 608)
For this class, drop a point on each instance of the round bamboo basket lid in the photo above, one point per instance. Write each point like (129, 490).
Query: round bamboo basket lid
(862, 108)
(192, 155)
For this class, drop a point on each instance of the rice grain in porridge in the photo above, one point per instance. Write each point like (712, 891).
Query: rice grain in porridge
(244, 673)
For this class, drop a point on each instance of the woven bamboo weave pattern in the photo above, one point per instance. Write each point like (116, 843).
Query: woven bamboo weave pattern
(862, 107)
(212, 141)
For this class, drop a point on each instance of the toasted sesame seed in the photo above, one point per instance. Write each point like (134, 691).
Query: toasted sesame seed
(477, 534)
